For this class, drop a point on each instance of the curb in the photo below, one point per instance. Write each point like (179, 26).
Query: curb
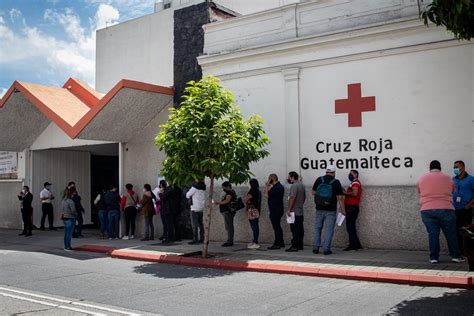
(339, 273)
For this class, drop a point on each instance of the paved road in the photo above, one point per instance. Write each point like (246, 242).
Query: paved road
(66, 279)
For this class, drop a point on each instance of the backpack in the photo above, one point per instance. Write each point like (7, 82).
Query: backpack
(323, 194)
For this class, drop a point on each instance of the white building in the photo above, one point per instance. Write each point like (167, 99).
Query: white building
(359, 84)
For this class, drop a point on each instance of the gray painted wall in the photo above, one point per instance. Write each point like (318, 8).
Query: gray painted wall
(10, 215)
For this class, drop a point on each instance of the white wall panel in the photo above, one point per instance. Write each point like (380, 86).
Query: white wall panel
(60, 167)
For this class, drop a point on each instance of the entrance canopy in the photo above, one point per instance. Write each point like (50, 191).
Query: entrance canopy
(81, 112)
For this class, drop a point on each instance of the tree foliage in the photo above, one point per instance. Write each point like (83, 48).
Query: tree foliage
(456, 15)
(208, 137)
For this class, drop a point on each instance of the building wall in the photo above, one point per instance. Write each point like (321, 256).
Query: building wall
(10, 215)
(245, 7)
(142, 162)
(140, 49)
(59, 167)
(416, 74)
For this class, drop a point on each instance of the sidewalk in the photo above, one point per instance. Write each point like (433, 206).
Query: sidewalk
(404, 267)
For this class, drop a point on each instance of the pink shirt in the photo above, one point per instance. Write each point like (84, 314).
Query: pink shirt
(435, 189)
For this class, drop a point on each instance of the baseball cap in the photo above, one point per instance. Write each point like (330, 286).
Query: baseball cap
(331, 169)
(47, 183)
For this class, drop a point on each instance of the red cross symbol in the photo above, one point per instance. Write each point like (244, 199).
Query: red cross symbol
(354, 105)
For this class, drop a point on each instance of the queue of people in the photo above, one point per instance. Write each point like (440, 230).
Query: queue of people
(445, 203)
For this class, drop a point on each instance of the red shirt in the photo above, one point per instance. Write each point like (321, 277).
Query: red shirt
(354, 200)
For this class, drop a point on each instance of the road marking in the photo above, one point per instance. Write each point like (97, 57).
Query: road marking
(21, 296)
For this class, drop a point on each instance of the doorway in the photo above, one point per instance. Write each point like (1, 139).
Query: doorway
(104, 173)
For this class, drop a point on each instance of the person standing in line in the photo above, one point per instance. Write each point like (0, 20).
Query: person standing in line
(161, 189)
(26, 199)
(437, 212)
(68, 215)
(112, 202)
(102, 208)
(167, 205)
(327, 191)
(197, 194)
(463, 198)
(47, 198)
(228, 197)
(128, 206)
(176, 198)
(274, 193)
(148, 210)
(296, 200)
(79, 209)
(352, 201)
(253, 200)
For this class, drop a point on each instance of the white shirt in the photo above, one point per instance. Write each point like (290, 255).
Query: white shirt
(199, 199)
(45, 193)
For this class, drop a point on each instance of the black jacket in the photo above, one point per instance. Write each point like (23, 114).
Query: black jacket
(112, 201)
(27, 200)
(167, 200)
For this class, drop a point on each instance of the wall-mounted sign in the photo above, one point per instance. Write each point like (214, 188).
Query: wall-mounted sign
(8, 162)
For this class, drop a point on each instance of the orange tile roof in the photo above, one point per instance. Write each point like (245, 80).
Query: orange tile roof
(74, 106)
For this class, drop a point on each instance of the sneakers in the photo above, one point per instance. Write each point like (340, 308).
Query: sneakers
(132, 237)
(67, 249)
(433, 261)
(273, 247)
(227, 244)
(125, 238)
(292, 249)
(457, 260)
(327, 252)
(316, 250)
(254, 246)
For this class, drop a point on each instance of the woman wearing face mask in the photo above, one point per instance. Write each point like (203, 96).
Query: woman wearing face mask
(253, 201)
(352, 201)
(224, 205)
(148, 209)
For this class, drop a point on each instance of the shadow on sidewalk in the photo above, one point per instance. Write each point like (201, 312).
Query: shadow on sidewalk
(165, 271)
(459, 303)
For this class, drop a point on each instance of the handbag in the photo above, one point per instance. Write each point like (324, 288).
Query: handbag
(138, 206)
(237, 205)
(252, 212)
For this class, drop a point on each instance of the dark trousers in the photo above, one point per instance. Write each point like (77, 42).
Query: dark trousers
(130, 214)
(352, 211)
(255, 229)
(78, 227)
(463, 218)
(297, 229)
(275, 219)
(198, 226)
(229, 225)
(176, 227)
(165, 226)
(170, 221)
(47, 209)
(27, 224)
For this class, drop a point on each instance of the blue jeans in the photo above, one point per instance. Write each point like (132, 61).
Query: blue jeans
(445, 220)
(68, 230)
(328, 217)
(103, 221)
(114, 220)
(255, 229)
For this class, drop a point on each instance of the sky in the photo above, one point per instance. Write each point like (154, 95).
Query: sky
(48, 41)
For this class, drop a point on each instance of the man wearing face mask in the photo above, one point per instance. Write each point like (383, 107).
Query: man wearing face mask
(274, 192)
(47, 198)
(296, 201)
(463, 198)
(26, 199)
(353, 194)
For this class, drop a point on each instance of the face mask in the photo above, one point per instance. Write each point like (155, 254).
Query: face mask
(48, 187)
(288, 180)
(351, 177)
(457, 171)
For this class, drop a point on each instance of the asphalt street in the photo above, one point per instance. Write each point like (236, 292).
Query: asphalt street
(55, 282)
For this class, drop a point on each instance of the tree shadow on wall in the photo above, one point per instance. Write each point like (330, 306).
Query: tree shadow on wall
(459, 303)
(166, 271)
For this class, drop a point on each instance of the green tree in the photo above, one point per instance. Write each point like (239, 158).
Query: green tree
(456, 15)
(208, 137)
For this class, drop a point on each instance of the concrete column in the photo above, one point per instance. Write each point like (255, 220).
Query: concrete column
(292, 114)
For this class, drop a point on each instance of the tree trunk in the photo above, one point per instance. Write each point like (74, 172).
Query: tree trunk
(207, 224)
